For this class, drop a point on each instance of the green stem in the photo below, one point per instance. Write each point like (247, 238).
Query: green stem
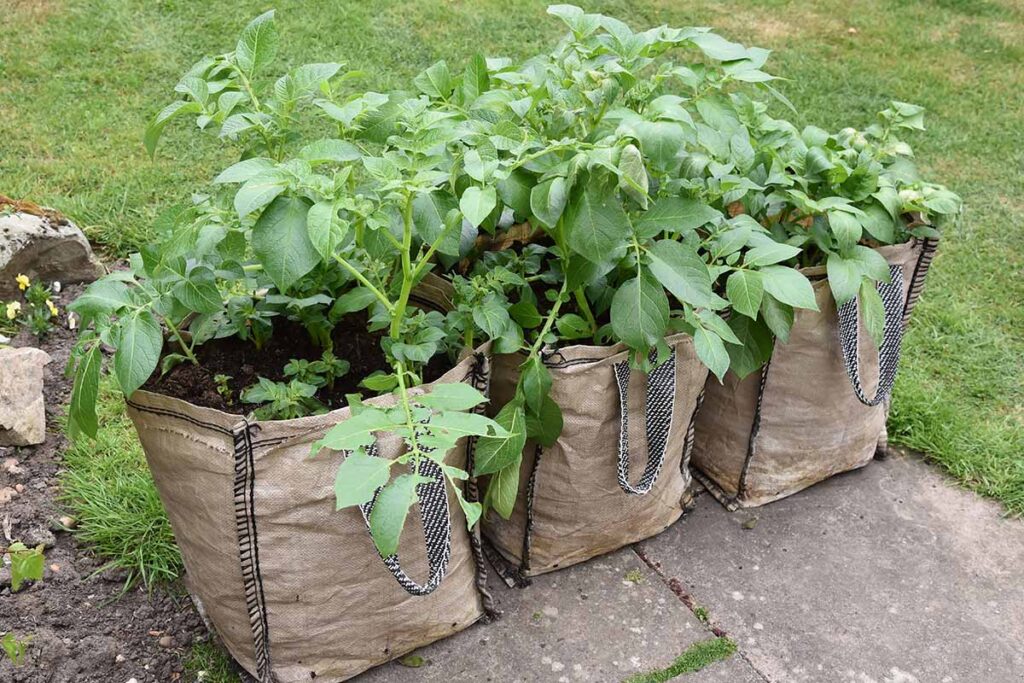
(181, 342)
(407, 274)
(581, 301)
(552, 314)
(366, 283)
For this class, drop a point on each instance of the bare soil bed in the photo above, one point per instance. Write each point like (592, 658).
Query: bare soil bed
(83, 625)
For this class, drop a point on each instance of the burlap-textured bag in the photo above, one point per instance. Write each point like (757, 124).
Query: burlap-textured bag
(295, 588)
(819, 406)
(609, 480)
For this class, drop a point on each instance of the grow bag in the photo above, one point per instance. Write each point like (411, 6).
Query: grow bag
(296, 589)
(819, 406)
(619, 471)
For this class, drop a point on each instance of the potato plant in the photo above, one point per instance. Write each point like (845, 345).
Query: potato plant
(623, 187)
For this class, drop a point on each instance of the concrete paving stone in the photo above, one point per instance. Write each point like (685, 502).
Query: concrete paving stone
(587, 623)
(887, 574)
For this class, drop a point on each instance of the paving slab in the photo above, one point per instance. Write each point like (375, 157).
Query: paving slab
(587, 623)
(887, 574)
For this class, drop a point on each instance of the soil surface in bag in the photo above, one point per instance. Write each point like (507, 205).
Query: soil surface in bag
(241, 361)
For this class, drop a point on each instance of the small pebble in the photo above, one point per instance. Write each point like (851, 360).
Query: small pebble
(20, 488)
(55, 568)
(119, 659)
(166, 641)
(68, 522)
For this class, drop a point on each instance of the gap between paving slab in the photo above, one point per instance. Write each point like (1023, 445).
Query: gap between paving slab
(885, 575)
(587, 623)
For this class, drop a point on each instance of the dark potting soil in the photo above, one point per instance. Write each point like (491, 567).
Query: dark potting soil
(83, 626)
(245, 364)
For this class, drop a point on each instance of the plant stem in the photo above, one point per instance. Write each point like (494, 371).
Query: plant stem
(181, 342)
(366, 283)
(552, 314)
(407, 275)
(581, 301)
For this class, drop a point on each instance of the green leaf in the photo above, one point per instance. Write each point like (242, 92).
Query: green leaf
(535, 381)
(661, 142)
(454, 396)
(639, 312)
(326, 230)
(846, 228)
(526, 314)
(351, 301)
(879, 224)
(390, 511)
(778, 316)
(545, 426)
(85, 390)
(472, 511)
(475, 79)
(429, 216)
(355, 432)
(768, 254)
(503, 488)
(258, 44)
(717, 47)
(745, 290)
(515, 192)
(633, 175)
(138, 350)
(494, 453)
(548, 200)
(477, 203)
(844, 278)
(491, 317)
(244, 170)
(872, 311)
(755, 347)
(571, 326)
(597, 226)
(459, 424)
(359, 477)
(711, 351)
(436, 81)
(675, 215)
(199, 291)
(26, 564)
(871, 263)
(280, 240)
(682, 271)
(789, 286)
(308, 77)
(258, 191)
(160, 121)
(329, 150)
(101, 297)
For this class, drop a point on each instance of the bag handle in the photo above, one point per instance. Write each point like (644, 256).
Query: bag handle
(661, 398)
(892, 338)
(437, 527)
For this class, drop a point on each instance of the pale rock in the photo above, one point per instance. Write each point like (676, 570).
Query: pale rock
(22, 408)
(44, 248)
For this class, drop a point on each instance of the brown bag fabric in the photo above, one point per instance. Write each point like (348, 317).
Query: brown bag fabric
(295, 588)
(819, 406)
(578, 498)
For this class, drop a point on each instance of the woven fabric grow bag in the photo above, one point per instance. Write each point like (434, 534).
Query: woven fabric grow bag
(617, 474)
(296, 589)
(819, 406)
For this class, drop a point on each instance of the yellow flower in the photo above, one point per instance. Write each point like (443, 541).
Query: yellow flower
(53, 309)
(22, 281)
(12, 309)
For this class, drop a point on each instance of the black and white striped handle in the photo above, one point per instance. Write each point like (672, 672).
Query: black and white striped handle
(661, 396)
(437, 528)
(893, 303)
